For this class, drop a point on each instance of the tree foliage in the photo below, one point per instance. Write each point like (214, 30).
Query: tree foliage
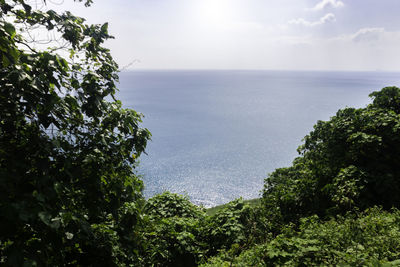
(173, 231)
(233, 224)
(178, 233)
(68, 194)
(371, 238)
(168, 205)
(322, 209)
(316, 212)
(349, 162)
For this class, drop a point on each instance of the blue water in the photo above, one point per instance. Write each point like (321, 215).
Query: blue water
(217, 134)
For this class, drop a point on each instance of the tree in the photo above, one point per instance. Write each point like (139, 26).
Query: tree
(349, 162)
(173, 231)
(68, 193)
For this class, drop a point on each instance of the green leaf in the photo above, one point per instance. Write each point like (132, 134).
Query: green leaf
(10, 29)
(104, 28)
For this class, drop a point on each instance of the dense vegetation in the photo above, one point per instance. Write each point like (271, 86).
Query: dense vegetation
(351, 161)
(323, 209)
(69, 194)
(371, 238)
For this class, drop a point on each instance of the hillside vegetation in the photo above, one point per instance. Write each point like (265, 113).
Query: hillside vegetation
(336, 205)
(69, 194)
(252, 202)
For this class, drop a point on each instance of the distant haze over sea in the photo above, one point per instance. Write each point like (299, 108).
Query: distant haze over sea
(217, 134)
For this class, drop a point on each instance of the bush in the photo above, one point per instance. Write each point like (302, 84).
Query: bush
(371, 238)
(173, 231)
(347, 163)
(179, 233)
(236, 223)
(68, 192)
(173, 241)
(168, 205)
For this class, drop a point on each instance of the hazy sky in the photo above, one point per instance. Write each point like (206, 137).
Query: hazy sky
(250, 34)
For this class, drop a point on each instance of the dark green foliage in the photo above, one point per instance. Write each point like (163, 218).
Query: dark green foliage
(369, 239)
(173, 241)
(68, 195)
(388, 98)
(234, 223)
(167, 205)
(178, 233)
(173, 231)
(349, 162)
(228, 226)
(252, 203)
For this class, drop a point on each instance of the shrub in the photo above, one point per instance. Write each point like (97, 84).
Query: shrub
(347, 163)
(371, 238)
(167, 205)
(235, 224)
(173, 231)
(68, 193)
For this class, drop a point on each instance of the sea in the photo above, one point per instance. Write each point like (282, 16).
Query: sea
(217, 134)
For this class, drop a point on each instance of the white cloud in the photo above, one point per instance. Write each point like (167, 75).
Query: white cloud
(325, 19)
(364, 49)
(368, 34)
(325, 3)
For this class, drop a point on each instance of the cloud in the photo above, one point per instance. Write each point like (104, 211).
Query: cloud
(368, 34)
(325, 19)
(362, 49)
(325, 3)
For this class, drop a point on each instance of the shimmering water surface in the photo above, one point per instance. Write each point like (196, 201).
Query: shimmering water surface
(217, 134)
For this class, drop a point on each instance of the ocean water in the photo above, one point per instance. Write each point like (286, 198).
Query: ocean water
(217, 134)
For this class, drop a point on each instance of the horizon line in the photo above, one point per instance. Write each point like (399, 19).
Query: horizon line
(281, 70)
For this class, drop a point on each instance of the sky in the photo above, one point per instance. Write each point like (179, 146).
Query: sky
(354, 35)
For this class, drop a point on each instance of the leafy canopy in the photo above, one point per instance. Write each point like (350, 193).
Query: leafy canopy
(349, 162)
(370, 239)
(68, 194)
